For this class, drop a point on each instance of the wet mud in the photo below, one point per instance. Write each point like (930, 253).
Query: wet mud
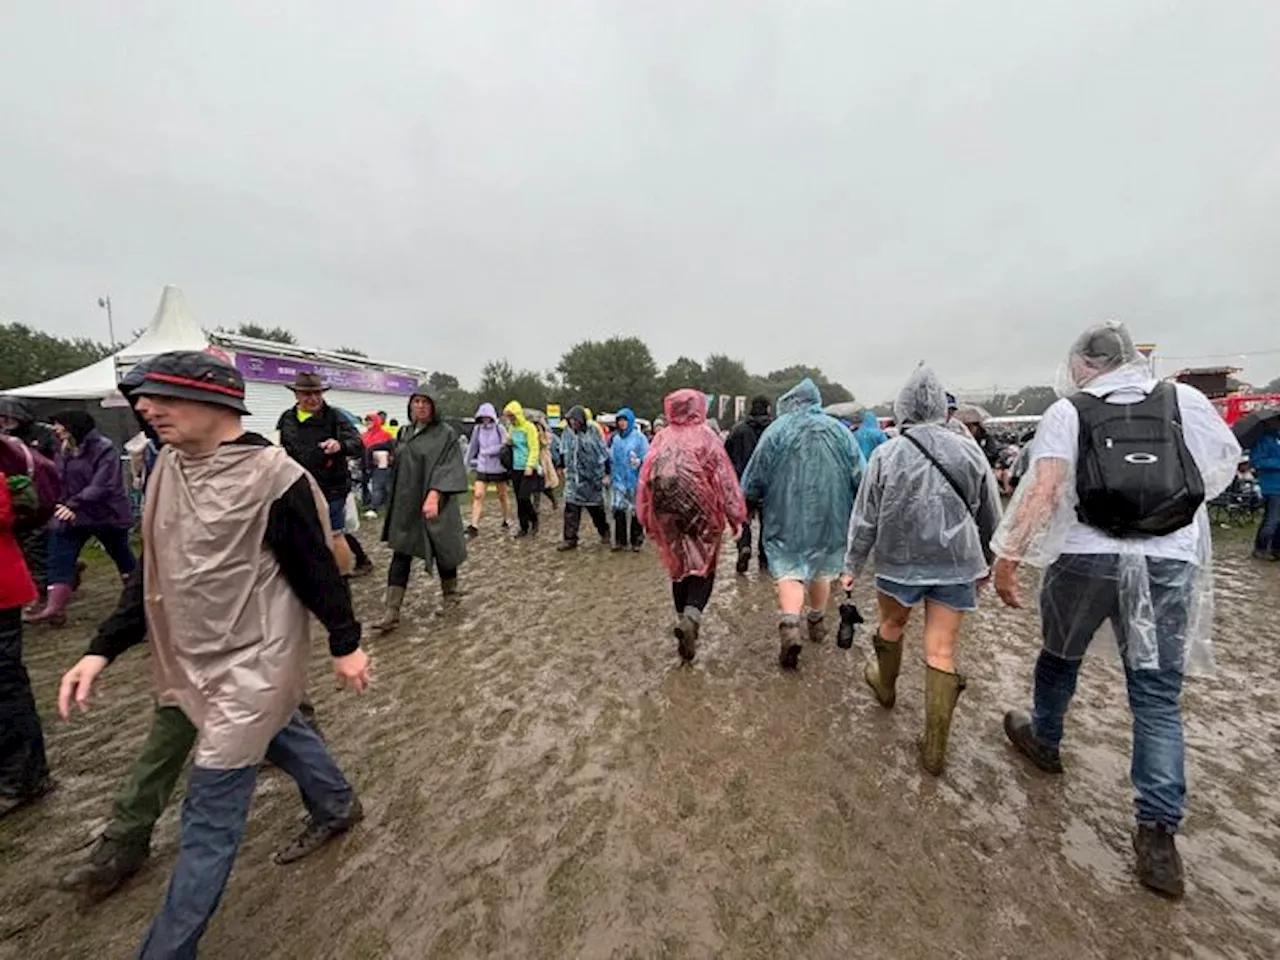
(541, 778)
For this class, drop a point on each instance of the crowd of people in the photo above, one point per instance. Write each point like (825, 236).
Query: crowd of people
(1110, 505)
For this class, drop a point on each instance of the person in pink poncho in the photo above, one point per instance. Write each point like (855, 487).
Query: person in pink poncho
(688, 494)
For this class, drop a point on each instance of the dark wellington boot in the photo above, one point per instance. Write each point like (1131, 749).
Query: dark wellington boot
(391, 616)
(1159, 866)
(1021, 733)
(789, 650)
(111, 862)
(744, 559)
(686, 632)
(941, 691)
(882, 673)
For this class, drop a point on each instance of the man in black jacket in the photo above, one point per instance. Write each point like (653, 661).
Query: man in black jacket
(740, 445)
(322, 440)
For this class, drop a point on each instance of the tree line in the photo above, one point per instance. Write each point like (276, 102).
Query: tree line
(603, 374)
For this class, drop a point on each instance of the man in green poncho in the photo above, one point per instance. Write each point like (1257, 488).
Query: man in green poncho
(424, 519)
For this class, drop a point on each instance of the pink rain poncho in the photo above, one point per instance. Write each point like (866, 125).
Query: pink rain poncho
(688, 489)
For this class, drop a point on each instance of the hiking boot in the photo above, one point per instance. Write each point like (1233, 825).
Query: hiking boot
(316, 835)
(789, 652)
(941, 691)
(1159, 866)
(817, 628)
(686, 632)
(473, 531)
(361, 570)
(567, 546)
(1022, 734)
(111, 862)
(14, 803)
(391, 616)
(882, 674)
(744, 559)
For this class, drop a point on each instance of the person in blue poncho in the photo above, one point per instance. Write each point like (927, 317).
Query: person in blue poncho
(869, 435)
(627, 451)
(802, 478)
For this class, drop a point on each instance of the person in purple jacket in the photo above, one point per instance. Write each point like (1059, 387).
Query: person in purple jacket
(94, 504)
(484, 459)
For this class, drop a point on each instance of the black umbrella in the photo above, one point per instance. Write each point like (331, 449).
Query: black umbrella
(1250, 428)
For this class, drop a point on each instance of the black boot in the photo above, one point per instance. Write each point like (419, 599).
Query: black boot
(1159, 866)
(111, 862)
(744, 559)
(1021, 733)
(316, 835)
(789, 646)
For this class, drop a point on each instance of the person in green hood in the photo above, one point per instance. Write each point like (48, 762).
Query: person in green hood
(424, 519)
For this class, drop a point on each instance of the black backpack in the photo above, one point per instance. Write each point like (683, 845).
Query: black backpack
(1134, 473)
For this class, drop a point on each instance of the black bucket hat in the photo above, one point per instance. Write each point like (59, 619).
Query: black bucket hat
(186, 375)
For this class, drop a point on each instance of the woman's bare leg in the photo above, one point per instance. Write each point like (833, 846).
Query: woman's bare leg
(941, 631)
(477, 501)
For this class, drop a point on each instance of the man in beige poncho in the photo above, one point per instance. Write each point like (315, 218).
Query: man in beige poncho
(236, 552)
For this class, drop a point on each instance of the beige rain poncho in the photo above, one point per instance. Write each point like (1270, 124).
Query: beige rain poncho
(230, 639)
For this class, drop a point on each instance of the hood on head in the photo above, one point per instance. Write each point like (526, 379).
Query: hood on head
(17, 409)
(631, 420)
(685, 407)
(77, 422)
(487, 410)
(423, 390)
(760, 406)
(870, 421)
(576, 414)
(923, 399)
(803, 396)
(516, 410)
(375, 421)
(1103, 348)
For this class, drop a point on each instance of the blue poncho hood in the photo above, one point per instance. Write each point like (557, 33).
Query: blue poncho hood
(630, 416)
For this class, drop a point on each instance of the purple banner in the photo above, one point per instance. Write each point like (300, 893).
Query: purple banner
(254, 366)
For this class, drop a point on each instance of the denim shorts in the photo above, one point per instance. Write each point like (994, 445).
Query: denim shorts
(961, 597)
(338, 514)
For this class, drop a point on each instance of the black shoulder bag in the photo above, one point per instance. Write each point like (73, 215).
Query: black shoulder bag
(951, 481)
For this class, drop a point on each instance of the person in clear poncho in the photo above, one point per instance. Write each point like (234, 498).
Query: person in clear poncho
(1156, 591)
(802, 478)
(688, 493)
(927, 508)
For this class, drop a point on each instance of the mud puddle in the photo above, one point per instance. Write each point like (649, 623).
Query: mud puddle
(541, 779)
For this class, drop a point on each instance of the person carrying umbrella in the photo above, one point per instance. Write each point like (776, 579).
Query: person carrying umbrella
(1259, 433)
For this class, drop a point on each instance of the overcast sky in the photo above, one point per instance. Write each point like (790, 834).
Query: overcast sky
(852, 185)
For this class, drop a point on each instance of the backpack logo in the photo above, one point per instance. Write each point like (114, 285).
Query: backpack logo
(1141, 458)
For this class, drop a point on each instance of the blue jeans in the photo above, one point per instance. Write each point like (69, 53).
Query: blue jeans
(213, 820)
(1268, 538)
(65, 544)
(379, 488)
(1081, 585)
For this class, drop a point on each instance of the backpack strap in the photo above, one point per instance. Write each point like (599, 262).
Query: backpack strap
(946, 475)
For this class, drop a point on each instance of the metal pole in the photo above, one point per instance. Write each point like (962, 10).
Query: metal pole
(111, 326)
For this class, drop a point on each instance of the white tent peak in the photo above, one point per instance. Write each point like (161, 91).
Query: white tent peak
(172, 328)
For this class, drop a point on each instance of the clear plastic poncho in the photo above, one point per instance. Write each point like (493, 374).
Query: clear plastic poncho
(688, 489)
(1157, 591)
(920, 529)
(584, 454)
(803, 475)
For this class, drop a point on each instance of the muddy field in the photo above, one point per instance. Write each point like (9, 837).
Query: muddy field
(541, 779)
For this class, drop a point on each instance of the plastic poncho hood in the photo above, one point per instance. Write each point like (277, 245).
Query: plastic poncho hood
(688, 489)
(803, 475)
(923, 399)
(869, 434)
(627, 451)
(1158, 580)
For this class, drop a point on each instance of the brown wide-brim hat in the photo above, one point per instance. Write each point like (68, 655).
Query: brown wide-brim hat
(310, 383)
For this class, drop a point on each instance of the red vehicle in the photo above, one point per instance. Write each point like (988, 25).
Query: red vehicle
(1238, 405)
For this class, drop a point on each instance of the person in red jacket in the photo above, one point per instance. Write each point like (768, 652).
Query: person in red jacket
(24, 771)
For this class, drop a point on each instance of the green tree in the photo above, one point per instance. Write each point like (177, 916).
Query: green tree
(1027, 402)
(613, 373)
(500, 382)
(443, 381)
(683, 372)
(725, 375)
(260, 332)
(30, 356)
(350, 352)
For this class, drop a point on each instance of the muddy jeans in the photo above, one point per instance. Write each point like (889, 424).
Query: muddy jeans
(213, 820)
(1079, 593)
(23, 767)
(1268, 538)
(573, 521)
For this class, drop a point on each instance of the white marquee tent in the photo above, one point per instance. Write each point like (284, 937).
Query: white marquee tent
(172, 328)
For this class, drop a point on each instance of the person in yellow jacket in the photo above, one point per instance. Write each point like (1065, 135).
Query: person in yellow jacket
(526, 465)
